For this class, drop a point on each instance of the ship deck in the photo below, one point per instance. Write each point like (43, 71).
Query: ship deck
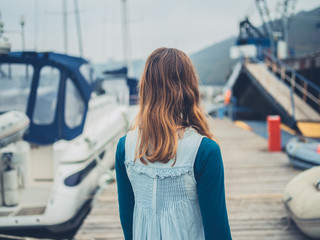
(255, 180)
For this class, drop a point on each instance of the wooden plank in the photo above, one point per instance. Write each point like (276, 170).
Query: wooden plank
(254, 178)
(255, 181)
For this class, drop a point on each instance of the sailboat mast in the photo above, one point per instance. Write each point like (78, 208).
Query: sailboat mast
(125, 37)
(77, 15)
(35, 24)
(124, 32)
(65, 25)
(22, 23)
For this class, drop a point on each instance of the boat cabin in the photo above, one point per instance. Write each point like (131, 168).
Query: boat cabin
(52, 89)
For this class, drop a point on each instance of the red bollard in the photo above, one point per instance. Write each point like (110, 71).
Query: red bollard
(274, 133)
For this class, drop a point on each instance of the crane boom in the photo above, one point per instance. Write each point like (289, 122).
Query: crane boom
(285, 11)
(266, 21)
(265, 16)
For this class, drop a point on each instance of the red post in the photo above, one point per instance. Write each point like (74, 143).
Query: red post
(274, 133)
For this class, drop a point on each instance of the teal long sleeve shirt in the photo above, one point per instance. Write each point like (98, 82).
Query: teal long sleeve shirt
(209, 175)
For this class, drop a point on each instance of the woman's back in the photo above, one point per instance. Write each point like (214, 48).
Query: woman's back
(166, 201)
(171, 187)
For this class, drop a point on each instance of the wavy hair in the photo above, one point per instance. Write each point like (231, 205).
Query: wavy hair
(169, 103)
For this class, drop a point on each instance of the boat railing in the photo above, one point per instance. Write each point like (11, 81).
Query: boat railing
(307, 90)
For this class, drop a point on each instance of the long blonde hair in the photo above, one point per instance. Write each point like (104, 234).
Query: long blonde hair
(169, 102)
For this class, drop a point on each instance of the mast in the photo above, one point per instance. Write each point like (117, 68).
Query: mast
(77, 15)
(288, 12)
(285, 25)
(1, 26)
(35, 24)
(125, 37)
(22, 23)
(65, 25)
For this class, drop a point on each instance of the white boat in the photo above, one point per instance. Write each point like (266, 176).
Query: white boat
(302, 198)
(49, 178)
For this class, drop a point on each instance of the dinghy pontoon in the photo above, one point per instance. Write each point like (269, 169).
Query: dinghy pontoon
(303, 154)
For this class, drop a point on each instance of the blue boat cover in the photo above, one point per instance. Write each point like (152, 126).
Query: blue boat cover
(69, 68)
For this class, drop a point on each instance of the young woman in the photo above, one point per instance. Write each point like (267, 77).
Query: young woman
(169, 170)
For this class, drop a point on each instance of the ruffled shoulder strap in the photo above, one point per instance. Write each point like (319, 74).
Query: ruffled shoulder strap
(187, 150)
(130, 145)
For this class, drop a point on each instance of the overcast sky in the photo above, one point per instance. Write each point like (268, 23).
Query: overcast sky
(189, 25)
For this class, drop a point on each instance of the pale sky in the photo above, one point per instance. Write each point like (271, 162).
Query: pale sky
(189, 25)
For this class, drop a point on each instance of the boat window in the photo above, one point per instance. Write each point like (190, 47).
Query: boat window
(47, 95)
(15, 82)
(87, 73)
(74, 108)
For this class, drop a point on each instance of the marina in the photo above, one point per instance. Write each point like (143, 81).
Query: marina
(63, 110)
(255, 180)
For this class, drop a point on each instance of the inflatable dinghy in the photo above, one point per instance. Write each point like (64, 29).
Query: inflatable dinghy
(13, 124)
(302, 198)
(303, 154)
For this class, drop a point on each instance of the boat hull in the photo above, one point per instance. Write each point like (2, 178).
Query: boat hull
(80, 165)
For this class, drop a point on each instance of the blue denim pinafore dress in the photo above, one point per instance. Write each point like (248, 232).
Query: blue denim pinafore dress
(166, 200)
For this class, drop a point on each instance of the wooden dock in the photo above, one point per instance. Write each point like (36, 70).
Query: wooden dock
(255, 181)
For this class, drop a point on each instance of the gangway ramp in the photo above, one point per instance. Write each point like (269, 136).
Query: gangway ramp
(281, 93)
(234, 75)
(271, 87)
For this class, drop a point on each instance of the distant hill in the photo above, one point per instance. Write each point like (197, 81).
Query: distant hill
(304, 32)
(213, 63)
